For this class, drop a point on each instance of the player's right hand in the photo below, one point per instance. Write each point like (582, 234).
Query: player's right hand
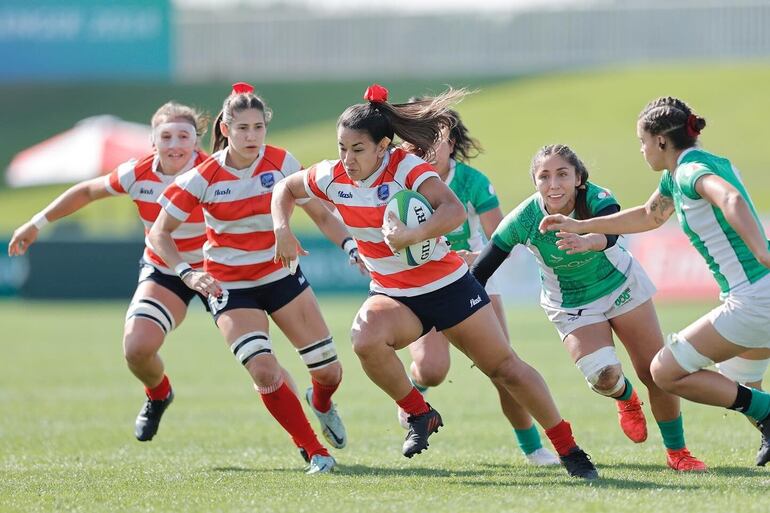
(560, 223)
(203, 282)
(22, 238)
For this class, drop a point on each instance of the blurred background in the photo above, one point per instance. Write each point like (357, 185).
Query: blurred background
(90, 74)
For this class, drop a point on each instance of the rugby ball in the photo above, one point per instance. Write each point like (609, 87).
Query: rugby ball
(412, 209)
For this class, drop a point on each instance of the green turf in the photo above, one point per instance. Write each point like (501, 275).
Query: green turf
(594, 112)
(68, 405)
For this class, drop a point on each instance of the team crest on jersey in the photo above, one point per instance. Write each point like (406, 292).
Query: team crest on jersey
(267, 179)
(603, 194)
(383, 192)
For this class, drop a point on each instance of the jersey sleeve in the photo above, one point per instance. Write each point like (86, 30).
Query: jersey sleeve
(666, 185)
(508, 233)
(317, 180)
(290, 166)
(120, 180)
(418, 174)
(599, 198)
(484, 198)
(687, 175)
(183, 195)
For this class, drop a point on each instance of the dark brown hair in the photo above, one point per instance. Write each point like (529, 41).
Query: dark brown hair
(674, 119)
(233, 104)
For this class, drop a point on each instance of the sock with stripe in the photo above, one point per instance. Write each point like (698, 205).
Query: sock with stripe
(529, 439)
(159, 392)
(285, 407)
(561, 437)
(322, 395)
(672, 432)
(413, 403)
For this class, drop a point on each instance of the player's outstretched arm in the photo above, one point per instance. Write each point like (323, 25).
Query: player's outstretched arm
(720, 193)
(285, 195)
(69, 202)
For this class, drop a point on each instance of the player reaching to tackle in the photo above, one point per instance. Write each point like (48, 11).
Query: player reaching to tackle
(716, 213)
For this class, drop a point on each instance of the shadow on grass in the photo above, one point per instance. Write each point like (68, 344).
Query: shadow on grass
(719, 470)
(364, 470)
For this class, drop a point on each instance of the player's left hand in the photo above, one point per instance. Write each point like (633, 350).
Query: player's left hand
(397, 235)
(354, 258)
(572, 243)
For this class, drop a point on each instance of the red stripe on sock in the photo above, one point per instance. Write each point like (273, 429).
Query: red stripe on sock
(561, 437)
(161, 391)
(322, 395)
(284, 406)
(414, 403)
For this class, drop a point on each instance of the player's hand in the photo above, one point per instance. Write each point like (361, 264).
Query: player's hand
(560, 223)
(354, 258)
(468, 256)
(287, 248)
(571, 243)
(397, 235)
(203, 282)
(24, 236)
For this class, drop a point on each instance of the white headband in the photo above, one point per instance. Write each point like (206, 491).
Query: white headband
(176, 126)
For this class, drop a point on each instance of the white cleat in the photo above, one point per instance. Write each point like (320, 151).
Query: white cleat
(320, 464)
(542, 457)
(402, 417)
(332, 427)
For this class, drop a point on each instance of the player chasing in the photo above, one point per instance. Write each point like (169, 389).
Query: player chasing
(161, 299)
(716, 213)
(243, 284)
(406, 302)
(593, 289)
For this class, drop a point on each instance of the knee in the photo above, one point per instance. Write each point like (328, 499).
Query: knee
(366, 338)
(138, 349)
(510, 372)
(662, 375)
(329, 375)
(265, 371)
(602, 371)
(429, 374)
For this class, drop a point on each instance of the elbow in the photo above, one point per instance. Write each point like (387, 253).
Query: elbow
(457, 214)
(733, 201)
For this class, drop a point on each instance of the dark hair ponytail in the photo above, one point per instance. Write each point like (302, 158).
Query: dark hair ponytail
(581, 204)
(239, 100)
(674, 119)
(418, 123)
(464, 146)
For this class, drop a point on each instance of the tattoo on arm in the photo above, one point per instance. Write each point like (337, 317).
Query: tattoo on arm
(661, 209)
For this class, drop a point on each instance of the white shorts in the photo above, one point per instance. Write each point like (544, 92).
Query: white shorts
(493, 285)
(743, 316)
(635, 291)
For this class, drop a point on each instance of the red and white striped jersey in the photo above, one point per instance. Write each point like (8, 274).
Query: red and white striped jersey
(141, 180)
(240, 242)
(362, 206)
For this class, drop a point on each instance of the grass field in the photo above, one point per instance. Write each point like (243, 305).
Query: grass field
(594, 112)
(68, 405)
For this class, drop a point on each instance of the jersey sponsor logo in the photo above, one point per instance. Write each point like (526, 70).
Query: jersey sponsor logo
(222, 192)
(556, 258)
(267, 179)
(575, 263)
(142, 190)
(301, 279)
(624, 297)
(343, 194)
(475, 300)
(383, 192)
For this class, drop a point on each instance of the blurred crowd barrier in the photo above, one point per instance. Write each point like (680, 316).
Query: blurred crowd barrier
(151, 39)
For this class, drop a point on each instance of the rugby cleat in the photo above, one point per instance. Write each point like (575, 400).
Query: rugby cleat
(542, 457)
(332, 427)
(682, 461)
(763, 455)
(578, 464)
(148, 420)
(321, 464)
(403, 417)
(304, 455)
(631, 418)
(420, 428)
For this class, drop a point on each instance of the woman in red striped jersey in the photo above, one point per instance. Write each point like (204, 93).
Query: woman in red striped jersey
(407, 302)
(161, 299)
(243, 283)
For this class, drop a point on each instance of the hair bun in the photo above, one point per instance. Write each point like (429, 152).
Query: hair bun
(376, 93)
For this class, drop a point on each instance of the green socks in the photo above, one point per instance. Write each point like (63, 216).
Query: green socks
(673, 433)
(529, 439)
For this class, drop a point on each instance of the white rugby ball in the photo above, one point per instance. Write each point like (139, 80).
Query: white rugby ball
(412, 209)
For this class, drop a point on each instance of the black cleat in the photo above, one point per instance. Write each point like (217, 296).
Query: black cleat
(148, 420)
(763, 455)
(420, 428)
(578, 464)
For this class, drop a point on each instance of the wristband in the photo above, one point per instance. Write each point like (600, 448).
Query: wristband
(182, 269)
(349, 245)
(39, 220)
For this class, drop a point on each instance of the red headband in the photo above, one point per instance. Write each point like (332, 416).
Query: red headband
(375, 93)
(692, 126)
(242, 88)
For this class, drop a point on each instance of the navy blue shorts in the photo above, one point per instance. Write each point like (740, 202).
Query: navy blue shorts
(173, 283)
(269, 297)
(447, 306)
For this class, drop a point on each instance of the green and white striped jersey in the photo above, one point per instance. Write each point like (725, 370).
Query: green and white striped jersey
(477, 195)
(567, 280)
(727, 256)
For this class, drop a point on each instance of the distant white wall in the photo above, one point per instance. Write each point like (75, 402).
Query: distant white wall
(304, 45)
